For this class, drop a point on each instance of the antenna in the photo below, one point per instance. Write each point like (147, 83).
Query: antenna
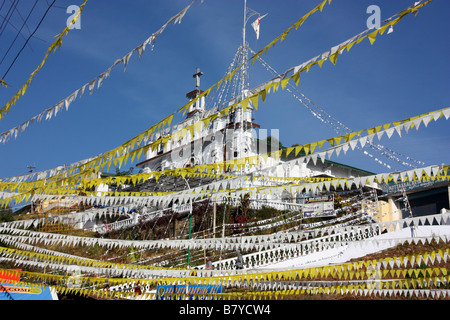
(245, 22)
(248, 13)
(31, 168)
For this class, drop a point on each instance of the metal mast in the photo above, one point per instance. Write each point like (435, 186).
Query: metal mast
(244, 75)
(245, 22)
(244, 52)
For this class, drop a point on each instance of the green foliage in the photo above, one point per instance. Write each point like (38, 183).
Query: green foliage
(274, 141)
(245, 204)
(6, 215)
(124, 173)
(264, 213)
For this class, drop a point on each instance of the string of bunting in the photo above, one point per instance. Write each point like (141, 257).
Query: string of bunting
(293, 214)
(432, 257)
(264, 295)
(350, 141)
(220, 189)
(385, 267)
(275, 242)
(165, 198)
(408, 265)
(53, 111)
(262, 91)
(415, 122)
(419, 281)
(142, 136)
(342, 287)
(91, 85)
(291, 217)
(274, 84)
(331, 54)
(280, 39)
(49, 187)
(85, 166)
(325, 118)
(55, 45)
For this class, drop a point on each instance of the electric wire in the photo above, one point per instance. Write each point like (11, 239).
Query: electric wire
(19, 32)
(28, 39)
(6, 18)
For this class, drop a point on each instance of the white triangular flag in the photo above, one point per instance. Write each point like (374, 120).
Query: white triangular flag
(69, 100)
(91, 85)
(389, 132)
(353, 144)
(126, 59)
(363, 141)
(427, 120)
(391, 29)
(256, 25)
(446, 113)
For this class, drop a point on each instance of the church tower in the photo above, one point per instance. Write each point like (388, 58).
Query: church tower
(198, 106)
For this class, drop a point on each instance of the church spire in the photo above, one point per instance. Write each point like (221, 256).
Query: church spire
(198, 105)
(197, 77)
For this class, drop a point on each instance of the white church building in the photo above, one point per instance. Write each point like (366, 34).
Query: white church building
(232, 136)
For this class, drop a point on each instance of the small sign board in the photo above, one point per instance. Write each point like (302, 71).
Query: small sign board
(319, 207)
(187, 292)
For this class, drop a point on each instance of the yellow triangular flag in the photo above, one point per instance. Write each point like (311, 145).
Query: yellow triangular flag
(191, 130)
(321, 61)
(322, 5)
(372, 36)
(284, 83)
(255, 99)
(244, 103)
(350, 45)
(198, 126)
(263, 94)
(333, 57)
(296, 78)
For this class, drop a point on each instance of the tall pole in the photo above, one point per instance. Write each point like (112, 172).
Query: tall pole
(190, 227)
(30, 167)
(245, 22)
(244, 52)
(214, 219)
(223, 225)
(243, 76)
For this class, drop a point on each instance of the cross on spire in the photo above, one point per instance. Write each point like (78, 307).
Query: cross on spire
(197, 77)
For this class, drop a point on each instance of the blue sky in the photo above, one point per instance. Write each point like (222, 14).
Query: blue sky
(402, 75)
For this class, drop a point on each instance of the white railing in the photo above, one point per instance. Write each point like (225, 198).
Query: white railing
(260, 203)
(126, 223)
(303, 248)
(180, 208)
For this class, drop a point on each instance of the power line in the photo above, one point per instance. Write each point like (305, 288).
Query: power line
(20, 15)
(19, 32)
(8, 17)
(7, 14)
(3, 3)
(31, 35)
